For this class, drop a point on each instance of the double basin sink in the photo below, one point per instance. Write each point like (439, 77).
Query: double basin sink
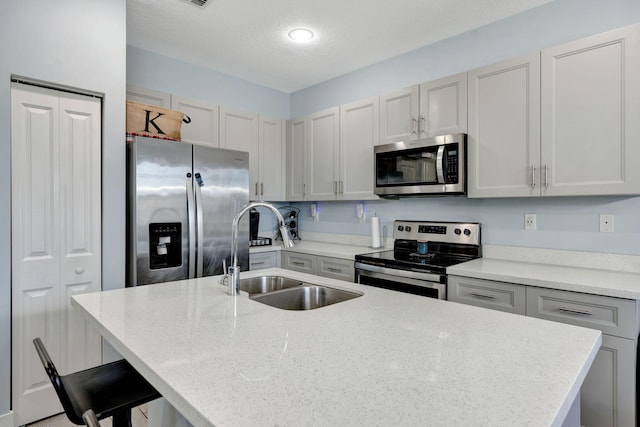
(291, 294)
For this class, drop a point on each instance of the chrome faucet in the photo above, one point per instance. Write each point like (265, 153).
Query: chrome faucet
(234, 270)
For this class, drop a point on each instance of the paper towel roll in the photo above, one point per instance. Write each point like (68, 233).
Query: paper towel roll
(375, 232)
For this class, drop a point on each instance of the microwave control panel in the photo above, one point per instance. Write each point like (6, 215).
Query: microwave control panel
(451, 162)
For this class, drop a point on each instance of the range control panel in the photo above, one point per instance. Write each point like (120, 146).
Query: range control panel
(449, 232)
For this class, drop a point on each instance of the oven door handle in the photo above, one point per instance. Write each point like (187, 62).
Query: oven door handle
(394, 274)
(439, 287)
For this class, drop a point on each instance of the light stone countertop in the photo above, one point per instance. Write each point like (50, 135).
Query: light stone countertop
(592, 273)
(588, 272)
(385, 358)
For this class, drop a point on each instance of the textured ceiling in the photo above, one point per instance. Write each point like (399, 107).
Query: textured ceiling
(248, 38)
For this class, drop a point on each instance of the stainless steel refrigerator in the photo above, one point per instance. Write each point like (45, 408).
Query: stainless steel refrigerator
(181, 200)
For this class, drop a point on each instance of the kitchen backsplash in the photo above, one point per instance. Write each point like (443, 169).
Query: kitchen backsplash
(562, 223)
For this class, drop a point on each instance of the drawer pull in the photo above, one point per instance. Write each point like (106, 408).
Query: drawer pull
(257, 263)
(334, 270)
(301, 264)
(483, 296)
(576, 312)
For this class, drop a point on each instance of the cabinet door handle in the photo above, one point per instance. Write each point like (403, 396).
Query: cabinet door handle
(341, 187)
(414, 124)
(546, 176)
(483, 296)
(298, 263)
(335, 187)
(257, 263)
(423, 128)
(533, 176)
(262, 188)
(304, 190)
(256, 188)
(574, 311)
(334, 270)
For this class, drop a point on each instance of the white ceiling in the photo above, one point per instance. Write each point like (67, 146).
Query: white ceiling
(248, 38)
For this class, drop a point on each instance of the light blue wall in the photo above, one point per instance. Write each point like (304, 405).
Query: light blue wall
(563, 223)
(570, 223)
(79, 44)
(153, 71)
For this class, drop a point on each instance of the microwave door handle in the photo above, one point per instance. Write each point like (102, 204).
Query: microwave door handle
(440, 164)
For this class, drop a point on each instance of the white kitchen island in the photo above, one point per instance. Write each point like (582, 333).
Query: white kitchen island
(385, 358)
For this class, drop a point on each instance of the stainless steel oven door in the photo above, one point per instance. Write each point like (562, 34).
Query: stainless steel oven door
(417, 283)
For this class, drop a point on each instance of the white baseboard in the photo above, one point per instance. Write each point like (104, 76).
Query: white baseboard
(6, 420)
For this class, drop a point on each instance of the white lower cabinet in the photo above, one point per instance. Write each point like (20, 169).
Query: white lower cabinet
(487, 293)
(262, 260)
(608, 395)
(299, 262)
(335, 268)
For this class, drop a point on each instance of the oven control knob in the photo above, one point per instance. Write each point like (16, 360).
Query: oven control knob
(457, 231)
(407, 228)
(400, 228)
(467, 232)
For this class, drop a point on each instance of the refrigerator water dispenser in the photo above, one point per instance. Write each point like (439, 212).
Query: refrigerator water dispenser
(165, 245)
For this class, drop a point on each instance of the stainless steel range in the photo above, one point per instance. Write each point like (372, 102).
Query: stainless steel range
(421, 253)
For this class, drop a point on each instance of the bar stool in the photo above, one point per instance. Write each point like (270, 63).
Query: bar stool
(90, 419)
(109, 390)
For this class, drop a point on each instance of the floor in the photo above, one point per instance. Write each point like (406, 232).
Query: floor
(138, 419)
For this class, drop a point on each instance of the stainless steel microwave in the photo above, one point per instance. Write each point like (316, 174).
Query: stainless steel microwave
(424, 167)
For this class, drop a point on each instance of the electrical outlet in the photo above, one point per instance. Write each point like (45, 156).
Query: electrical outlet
(606, 223)
(529, 221)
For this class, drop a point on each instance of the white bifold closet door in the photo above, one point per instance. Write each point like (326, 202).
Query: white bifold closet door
(56, 238)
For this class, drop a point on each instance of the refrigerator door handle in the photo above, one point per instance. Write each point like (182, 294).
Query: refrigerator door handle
(191, 212)
(200, 230)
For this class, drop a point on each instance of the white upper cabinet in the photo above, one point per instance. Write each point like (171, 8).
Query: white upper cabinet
(443, 106)
(399, 115)
(562, 125)
(503, 143)
(148, 96)
(296, 187)
(591, 115)
(433, 108)
(323, 154)
(359, 133)
(330, 153)
(271, 163)
(239, 131)
(202, 118)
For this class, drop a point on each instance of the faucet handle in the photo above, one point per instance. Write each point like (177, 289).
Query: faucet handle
(225, 271)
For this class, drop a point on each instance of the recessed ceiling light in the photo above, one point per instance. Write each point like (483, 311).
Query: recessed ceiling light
(300, 34)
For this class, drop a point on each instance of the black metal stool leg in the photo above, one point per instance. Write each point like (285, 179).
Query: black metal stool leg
(122, 419)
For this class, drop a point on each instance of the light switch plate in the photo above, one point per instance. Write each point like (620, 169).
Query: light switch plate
(606, 223)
